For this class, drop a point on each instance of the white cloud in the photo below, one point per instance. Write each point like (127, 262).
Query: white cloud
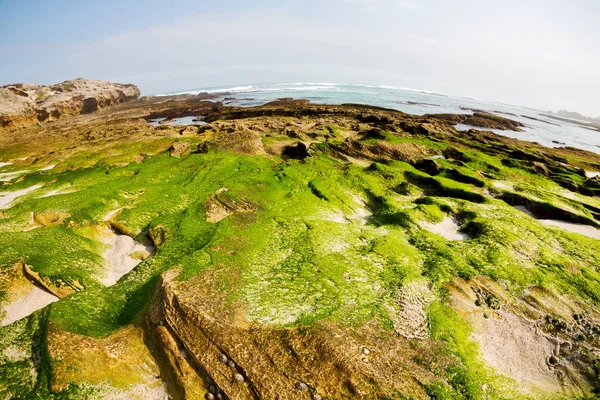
(528, 55)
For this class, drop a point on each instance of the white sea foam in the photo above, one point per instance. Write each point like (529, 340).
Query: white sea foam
(407, 99)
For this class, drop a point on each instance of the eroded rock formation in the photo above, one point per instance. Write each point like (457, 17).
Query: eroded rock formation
(22, 105)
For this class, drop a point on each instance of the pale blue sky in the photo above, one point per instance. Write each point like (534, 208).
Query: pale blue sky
(529, 52)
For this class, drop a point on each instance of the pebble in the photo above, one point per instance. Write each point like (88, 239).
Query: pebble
(300, 386)
(316, 396)
(366, 351)
(212, 389)
(223, 358)
(238, 377)
(230, 364)
(209, 396)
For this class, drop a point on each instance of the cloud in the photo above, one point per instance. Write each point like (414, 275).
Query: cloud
(490, 50)
(378, 4)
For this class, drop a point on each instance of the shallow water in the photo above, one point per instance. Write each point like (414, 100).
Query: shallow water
(189, 120)
(541, 129)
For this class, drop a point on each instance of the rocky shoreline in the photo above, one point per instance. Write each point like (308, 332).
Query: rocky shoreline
(302, 251)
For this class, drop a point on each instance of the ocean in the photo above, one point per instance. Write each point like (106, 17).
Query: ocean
(539, 128)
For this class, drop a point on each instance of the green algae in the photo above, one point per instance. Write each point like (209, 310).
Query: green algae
(326, 240)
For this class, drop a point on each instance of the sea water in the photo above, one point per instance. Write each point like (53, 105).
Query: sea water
(541, 129)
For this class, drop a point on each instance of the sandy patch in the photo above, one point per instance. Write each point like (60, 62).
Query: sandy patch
(361, 213)
(585, 230)
(335, 217)
(569, 195)
(512, 346)
(111, 214)
(4, 164)
(51, 193)
(503, 185)
(358, 161)
(9, 176)
(448, 228)
(508, 342)
(123, 256)
(48, 167)
(592, 174)
(413, 299)
(7, 198)
(34, 300)
(140, 391)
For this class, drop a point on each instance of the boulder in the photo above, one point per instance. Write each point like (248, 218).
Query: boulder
(178, 149)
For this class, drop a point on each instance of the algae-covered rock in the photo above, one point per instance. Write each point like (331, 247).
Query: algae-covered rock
(304, 250)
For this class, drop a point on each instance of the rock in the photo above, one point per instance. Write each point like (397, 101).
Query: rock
(223, 358)
(373, 133)
(300, 386)
(48, 218)
(238, 377)
(455, 154)
(298, 152)
(25, 105)
(540, 168)
(230, 364)
(57, 287)
(316, 396)
(157, 235)
(178, 149)
(220, 205)
(428, 166)
(209, 396)
(202, 148)
(481, 119)
(189, 130)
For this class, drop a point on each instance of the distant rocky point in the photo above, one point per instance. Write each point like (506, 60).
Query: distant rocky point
(23, 105)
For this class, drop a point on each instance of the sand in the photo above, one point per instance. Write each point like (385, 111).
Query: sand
(585, 230)
(50, 193)
(9, 176)
(35, 300)
(448, 228)
(512, 346)
(6, 198)
(48, 167)
(4, 164)
(118, 257)
(503, 185)
(592, 174)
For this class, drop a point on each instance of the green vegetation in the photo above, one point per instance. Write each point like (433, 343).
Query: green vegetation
(327, 241)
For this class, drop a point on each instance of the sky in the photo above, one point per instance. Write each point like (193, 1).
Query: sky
(538, 53)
